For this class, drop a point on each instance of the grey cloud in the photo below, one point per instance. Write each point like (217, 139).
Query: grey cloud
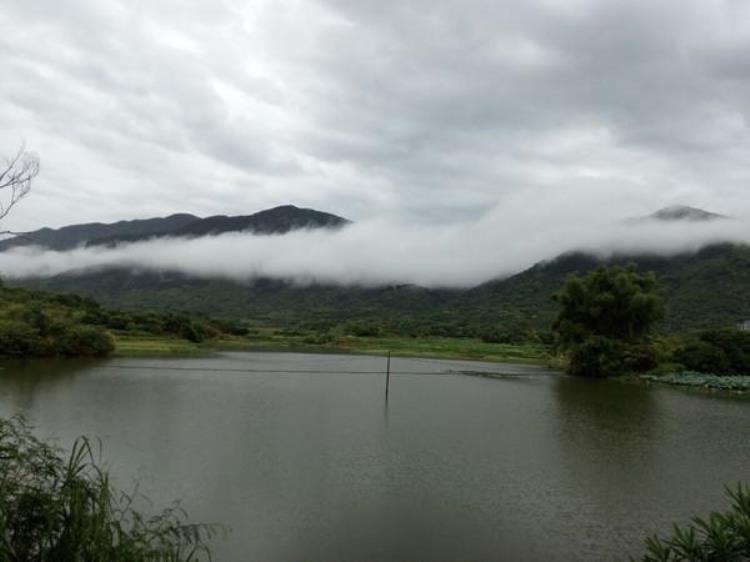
(503, 242)
(439, 110)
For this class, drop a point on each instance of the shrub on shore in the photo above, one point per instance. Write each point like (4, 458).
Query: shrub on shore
(20, 339)
(723, 536)
(722, 352)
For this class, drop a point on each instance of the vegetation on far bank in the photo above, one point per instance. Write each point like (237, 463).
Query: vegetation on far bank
(281, 340)
(35, 324)
(40, 324)
(343, 342)
(606, 326)
(717, 359)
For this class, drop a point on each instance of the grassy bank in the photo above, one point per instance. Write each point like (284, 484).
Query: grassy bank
(272, 340)
(157, 346)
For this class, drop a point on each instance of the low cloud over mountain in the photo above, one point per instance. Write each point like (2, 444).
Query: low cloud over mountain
(377, 252)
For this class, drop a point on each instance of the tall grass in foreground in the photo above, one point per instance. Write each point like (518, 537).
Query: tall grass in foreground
(723, 537)
(58, 509)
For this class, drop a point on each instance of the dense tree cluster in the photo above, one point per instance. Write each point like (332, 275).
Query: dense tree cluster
(39, 324)
(721, 351)
(605, 320)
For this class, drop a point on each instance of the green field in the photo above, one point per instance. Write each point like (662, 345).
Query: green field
(272, 340)
(154, 346)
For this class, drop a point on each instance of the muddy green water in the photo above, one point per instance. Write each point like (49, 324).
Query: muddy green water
(315, 467)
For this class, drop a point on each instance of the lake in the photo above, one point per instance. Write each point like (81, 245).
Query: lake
(315, 466)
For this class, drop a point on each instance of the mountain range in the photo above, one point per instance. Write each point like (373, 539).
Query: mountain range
(709, 287)
(278, 220)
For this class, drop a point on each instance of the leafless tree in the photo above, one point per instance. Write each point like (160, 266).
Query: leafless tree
(15, 180)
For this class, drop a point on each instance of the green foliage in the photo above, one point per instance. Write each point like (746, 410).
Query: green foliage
(597, 356)
(39, 324)
(363, 329)
(224, 326)
(55, 509)
(722, 351)
(604, 320)
(516, 331)
(321, 338)
(613, 302)
(20, 339)
(642, 357)
(85, 341)
(723, 536)
(185, 328)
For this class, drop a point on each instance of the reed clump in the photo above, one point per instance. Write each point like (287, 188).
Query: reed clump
(55, 507)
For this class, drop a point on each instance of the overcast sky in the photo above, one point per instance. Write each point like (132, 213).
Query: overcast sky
(428, 111)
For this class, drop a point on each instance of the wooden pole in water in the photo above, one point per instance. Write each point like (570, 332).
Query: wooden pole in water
(387, 376)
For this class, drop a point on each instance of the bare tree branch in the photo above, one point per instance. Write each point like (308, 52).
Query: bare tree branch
(16, 178)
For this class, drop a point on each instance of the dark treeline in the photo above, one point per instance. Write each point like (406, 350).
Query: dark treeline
(508, 331)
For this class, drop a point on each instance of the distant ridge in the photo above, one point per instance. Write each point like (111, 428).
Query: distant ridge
(684, 213)
(68, 237)
(278, 220)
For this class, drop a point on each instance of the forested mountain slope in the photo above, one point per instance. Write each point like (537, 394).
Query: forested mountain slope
(706, 288)
(709, 287)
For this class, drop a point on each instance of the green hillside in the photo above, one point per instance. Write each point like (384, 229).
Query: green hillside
(707, 288)
(263, 301)
(710, 287)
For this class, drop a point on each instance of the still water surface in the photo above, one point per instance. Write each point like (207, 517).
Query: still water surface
(315, 467)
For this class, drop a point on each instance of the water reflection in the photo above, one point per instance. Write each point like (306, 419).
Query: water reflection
(609, 458)
(596, 414)
(21, 381)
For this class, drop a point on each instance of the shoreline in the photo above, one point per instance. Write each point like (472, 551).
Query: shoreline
(700, 381)
(435, 348)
